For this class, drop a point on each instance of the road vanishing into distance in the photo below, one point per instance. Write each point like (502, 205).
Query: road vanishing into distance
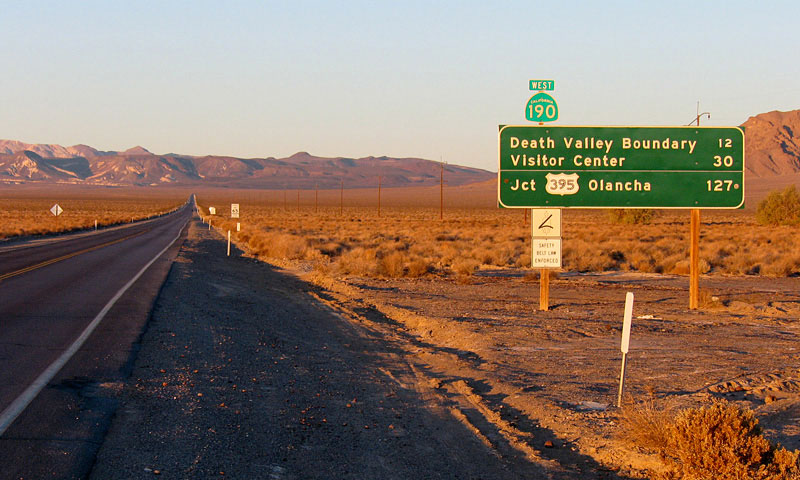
(72, 310)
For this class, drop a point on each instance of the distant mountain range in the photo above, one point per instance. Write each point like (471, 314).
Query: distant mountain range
(772, 144)
(82, 164)
(772, 149)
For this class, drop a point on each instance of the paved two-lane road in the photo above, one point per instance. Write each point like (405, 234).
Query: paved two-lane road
(71, 313)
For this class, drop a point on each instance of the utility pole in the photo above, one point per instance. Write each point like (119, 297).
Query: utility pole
(379, 196)
(316, 197)
(341, 199)
(441, 191)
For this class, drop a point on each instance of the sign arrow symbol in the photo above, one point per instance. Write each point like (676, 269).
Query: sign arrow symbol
(545, 221)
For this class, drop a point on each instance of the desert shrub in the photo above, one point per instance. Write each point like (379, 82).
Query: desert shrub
(647, 424)
(417, 267)
(523, 261)
(631, 216)
(782, 267)
(734, 243)
(465, 267)
(358, 261)
(723, 441)
(392, 265)
(719, 441)
(780, 208)
(641, 261)
(287, 246)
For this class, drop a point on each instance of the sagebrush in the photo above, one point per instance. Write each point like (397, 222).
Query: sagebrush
(718, 441)
(780, 208)
(356, 241)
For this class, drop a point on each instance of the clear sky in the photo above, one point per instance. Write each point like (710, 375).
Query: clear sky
(430, 79)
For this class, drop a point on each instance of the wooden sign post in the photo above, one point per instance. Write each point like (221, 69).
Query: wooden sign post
(694, 260)
(544, 289)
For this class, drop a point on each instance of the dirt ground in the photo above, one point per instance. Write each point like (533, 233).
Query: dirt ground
(541, 376)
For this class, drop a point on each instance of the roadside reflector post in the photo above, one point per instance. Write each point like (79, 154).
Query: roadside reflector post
(626, 337)
(209, 224)
(229, 243)
(238, 227)
(694, 260)
(95, 225)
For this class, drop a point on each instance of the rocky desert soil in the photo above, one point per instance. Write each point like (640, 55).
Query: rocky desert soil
(251, 370)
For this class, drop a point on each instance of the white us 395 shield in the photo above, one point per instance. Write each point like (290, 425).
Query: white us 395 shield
(562, 183)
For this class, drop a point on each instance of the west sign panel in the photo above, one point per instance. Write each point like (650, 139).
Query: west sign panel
(621, 167)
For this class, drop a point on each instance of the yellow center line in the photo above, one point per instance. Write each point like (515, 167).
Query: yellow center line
(73, 254)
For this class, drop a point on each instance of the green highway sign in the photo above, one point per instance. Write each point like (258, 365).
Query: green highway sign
(541, 108)
(542, 85)
(621, 167)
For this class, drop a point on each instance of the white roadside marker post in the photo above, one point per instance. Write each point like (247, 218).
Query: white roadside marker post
(238, 226)
(626, 337)
(229, 243)
(95, 225)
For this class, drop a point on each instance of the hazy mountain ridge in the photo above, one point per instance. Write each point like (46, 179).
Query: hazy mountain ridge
(772, 149)
(22, 163)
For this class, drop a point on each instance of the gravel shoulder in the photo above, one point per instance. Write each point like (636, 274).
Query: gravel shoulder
(246, 371)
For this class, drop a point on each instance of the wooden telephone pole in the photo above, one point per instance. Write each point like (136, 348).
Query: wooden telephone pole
(441, 192)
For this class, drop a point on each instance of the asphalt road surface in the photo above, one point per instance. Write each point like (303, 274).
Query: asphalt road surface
(72, 310)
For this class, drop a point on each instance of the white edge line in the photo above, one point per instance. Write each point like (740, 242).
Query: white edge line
(21, 403)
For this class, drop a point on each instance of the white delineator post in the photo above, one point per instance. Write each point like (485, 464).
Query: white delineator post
(229, 243)
(626, 338)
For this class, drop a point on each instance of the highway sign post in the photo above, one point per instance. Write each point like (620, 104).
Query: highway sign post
(621, 167)
(56, 210)
(689, 167)
(545, 248)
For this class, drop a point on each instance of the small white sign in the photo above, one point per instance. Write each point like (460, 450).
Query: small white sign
(56, 210)
(626, 323)
(212, 211)
(546, 222)
(546, 253)
(234, 210)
